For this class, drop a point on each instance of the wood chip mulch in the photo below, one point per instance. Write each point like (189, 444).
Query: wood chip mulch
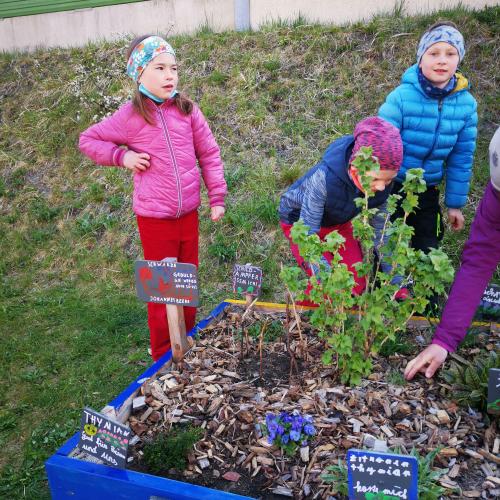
(226, 384)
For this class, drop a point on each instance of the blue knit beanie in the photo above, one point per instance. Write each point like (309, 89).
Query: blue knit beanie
(443, 33)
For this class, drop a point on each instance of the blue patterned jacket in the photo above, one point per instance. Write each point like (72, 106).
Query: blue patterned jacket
(439, 135)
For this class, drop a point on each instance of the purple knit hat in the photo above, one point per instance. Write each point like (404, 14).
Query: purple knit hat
(383, 137)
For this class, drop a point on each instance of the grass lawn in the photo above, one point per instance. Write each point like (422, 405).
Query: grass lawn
(72, 333)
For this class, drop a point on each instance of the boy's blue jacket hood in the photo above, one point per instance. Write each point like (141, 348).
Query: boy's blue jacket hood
(439, 135)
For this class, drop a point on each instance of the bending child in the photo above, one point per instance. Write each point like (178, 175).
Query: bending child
(437, 118)
(165, 134)
(323, 198)
(480, 258)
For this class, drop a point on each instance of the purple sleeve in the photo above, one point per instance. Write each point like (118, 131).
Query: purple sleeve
(480, 257)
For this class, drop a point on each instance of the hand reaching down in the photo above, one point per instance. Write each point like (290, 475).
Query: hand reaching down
(427, 362)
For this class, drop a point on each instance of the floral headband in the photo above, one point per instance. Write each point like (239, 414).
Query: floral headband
(144, 52)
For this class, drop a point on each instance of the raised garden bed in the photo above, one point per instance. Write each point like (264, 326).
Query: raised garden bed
(226, 386)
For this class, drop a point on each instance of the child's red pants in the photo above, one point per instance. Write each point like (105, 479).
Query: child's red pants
(350, 251)
(162, 238)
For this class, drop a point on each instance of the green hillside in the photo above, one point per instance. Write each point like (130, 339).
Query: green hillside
(72, 332)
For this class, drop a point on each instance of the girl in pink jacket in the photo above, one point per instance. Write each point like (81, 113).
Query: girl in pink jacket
(161, 136)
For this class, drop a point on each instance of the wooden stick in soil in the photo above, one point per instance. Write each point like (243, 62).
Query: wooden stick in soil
(261, 339)
(289, 298)
(177, 327)
(293, 362)
(303, 349)
(177, 330)
(287, 320)
(242, 333)
(244, 343)
(249, 303)
(260, 351)
(247, 342)
(248, 300)
(287, 329)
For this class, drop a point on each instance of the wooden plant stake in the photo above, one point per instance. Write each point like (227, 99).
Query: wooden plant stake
(177, 330)
(293, 361)
(176, 327)
(174, 284)
(261, 341)
(287, 322)
(243, 333)
(247, 280)
(302, 343)
(248, 300)
(244, 330)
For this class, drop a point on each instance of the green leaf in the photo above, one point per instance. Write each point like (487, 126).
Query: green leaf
(326, 357)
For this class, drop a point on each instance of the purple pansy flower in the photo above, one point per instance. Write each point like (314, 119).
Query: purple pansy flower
(289, 429)
(309, 430)
(270, 418)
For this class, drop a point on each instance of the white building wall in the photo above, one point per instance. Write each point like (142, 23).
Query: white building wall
(346, 11)
(76, 28)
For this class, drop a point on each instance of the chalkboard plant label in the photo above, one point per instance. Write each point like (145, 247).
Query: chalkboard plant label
(247, 280)
(494, 391)
(389, 476)
(167, 282)
(104, 438)
(490, 301)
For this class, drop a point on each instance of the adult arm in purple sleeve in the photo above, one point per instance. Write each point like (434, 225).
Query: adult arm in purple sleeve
(480, 257)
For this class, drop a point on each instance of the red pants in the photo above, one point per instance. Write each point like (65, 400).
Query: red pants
(350, 251)
(162, 238)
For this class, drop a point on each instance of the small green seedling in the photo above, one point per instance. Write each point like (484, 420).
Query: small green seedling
(169, 451)
(337, 477)
(272, 331)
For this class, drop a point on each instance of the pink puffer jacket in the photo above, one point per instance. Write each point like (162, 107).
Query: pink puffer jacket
(170, 187)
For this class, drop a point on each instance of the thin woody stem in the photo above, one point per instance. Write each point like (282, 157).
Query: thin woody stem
(380, 256)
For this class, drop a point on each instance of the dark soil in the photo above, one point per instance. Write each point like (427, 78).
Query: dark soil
(275, 370)
(245, 486)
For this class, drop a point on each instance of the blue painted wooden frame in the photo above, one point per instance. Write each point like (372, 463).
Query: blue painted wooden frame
(70, 478)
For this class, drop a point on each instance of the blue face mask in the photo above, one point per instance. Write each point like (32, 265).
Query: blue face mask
(143, 90)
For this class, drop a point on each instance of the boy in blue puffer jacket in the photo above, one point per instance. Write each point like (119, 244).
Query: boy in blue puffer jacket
(437, 117)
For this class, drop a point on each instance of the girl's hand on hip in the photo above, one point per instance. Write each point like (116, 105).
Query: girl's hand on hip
(456, 218)
(427, 362)
(216, 213)
(137, 162)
